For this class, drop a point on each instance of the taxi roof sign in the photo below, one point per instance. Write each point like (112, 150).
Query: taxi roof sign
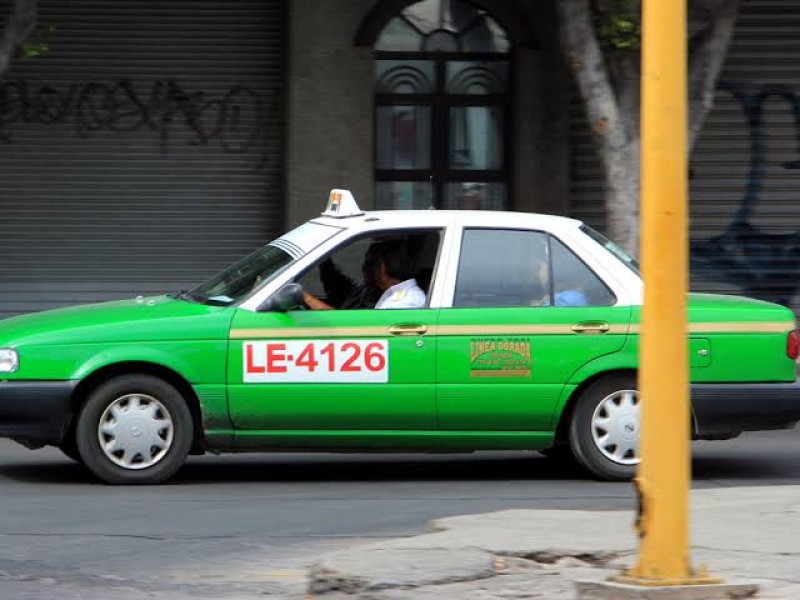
(341, 204)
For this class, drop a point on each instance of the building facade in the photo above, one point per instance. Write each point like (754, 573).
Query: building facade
(156, 142)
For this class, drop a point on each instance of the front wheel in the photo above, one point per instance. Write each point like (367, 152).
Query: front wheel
(604, 432)
(134, 429)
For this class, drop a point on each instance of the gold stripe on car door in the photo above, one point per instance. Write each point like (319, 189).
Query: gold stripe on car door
(733, 327)
(308, 332)
(373, 331)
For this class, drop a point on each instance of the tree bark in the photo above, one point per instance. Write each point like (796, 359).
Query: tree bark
(20, 25)
(609, 85)
(623, 183)
(707, 51)
(613, 129)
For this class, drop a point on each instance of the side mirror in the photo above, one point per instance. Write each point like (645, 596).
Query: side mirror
(285, 299)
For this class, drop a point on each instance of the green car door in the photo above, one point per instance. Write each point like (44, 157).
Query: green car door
(355, 369)
(519, 327)
(332, 369)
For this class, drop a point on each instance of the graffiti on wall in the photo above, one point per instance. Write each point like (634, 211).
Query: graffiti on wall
(762, 264)
(237, 120)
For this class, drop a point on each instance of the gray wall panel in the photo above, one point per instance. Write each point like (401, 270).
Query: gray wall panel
(143, 152)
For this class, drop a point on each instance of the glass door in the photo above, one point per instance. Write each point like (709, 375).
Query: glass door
(442, 106)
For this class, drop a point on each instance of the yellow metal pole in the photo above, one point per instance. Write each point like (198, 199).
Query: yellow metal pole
(664, 473)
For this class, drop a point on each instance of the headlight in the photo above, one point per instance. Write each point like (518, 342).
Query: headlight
(9, 360)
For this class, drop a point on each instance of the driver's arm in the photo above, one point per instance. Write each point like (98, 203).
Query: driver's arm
(315, 303)
(337, 285)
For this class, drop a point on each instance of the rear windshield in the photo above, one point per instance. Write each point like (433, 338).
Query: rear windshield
(606, 243)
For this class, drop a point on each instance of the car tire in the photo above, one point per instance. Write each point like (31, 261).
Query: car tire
(69, 448)
(134, 429)
(604, 431)
(559, 453)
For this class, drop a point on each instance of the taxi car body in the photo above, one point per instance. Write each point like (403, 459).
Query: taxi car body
(528, 339)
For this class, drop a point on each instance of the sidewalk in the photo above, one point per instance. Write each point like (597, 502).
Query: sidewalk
(741, 533)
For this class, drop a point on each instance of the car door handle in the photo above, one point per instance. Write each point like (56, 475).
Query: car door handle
(591, 327)
(405, 329)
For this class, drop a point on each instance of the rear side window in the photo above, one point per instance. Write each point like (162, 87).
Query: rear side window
(505, 268)
(618, 252)
(575, 284)
(500, 267)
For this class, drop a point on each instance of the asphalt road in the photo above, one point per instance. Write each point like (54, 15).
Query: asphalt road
(245, 525)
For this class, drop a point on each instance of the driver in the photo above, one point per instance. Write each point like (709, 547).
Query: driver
(396, 271)
(343, 291)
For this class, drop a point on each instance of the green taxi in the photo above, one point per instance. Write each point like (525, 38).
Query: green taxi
(523, 334)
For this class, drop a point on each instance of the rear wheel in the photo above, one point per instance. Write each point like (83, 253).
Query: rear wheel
(70, 448)
(604, 432)
(560, 453)
(134, 429)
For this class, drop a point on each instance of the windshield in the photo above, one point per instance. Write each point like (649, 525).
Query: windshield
(606, 243)
(242, 277)
(255, 270)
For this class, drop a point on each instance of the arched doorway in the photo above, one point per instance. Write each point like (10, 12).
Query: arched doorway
(442, 108)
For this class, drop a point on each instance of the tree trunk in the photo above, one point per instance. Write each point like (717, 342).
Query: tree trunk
(609, 87)
(623, 184)
(615, 132)
(707, 51)
(20, 25)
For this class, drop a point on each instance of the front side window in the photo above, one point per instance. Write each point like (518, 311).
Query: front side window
(535, 270)
(350, 277)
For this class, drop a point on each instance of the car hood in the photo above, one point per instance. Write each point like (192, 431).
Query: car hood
(140, 319)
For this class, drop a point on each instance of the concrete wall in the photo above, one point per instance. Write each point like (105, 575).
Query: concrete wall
(329, 129)
(330, 112)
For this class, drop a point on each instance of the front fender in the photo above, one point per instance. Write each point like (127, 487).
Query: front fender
(196, 361)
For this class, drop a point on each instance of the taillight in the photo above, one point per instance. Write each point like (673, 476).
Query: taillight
(793, 345)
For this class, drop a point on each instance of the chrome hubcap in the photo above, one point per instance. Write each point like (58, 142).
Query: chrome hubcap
(135, 431)
(615, 427)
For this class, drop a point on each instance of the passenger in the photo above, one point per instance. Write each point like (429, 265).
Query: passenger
(571, 296)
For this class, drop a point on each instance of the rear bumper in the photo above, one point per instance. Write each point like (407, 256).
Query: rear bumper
(721, 408)
(35, 413)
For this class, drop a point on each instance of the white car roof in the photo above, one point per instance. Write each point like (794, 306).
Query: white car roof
(441, 218)
(307, 243)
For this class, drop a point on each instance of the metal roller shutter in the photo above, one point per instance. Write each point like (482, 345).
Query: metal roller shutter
(143, 152)
(587, 186)
(746, 183)
(745, 169)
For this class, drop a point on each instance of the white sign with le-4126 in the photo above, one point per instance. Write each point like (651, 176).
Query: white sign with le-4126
(320, 361)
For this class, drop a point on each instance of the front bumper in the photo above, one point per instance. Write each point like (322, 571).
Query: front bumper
(723, 408)
(35, 413)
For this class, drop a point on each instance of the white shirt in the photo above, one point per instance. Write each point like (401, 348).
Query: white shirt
(406, 294)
